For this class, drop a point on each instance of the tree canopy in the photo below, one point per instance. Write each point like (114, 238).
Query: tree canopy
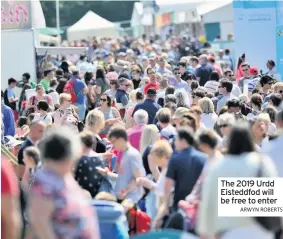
(72, 11)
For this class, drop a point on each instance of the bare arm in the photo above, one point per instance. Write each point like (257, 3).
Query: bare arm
(153, 167)
(10, 215)
(168, 185)
(133, 184)
(40, 212)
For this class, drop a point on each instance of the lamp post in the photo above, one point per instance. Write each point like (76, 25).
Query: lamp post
(58, 19)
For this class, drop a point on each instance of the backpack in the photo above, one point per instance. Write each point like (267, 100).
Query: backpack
(69, 89)
(139, 221)
(6, 101)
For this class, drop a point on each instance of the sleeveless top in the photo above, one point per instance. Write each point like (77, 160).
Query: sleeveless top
(107, 115)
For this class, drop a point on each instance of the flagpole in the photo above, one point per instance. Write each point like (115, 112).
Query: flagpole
(58, 19)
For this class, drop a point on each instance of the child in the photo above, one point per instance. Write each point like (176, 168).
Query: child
(32, 162)
(159, 156)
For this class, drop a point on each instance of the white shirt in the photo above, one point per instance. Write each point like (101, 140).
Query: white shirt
(274, 150)
(55, 97)
(160, 94)
(111, 93)
(46, 119)
(209, 120)
(159, 187)
(236, 91)
(211, 86)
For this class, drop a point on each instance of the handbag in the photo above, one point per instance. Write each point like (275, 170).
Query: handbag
(272, 224)
(31, 110)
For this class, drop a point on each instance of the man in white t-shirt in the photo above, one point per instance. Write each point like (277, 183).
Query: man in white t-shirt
(167, 132)
(42, 114)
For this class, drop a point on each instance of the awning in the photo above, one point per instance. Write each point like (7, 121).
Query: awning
(51, 31)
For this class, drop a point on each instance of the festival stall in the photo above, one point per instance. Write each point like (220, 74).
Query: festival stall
(91, 25)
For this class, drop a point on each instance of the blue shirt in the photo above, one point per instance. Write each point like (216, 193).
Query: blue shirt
(8, 120)
(165, 71)
(182, 85)
(79, 86)
(203, 72)
(10, 93)
(150, 106)
(184, 169)
(101, 52)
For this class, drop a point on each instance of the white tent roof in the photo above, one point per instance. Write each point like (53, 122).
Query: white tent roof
(177, 5)
(91, 25)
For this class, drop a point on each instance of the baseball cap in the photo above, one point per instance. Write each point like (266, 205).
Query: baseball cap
(12, 142)
(151, 92)
(179, 113)
(254, 71)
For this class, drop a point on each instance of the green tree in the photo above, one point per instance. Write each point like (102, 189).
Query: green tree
(72, 11)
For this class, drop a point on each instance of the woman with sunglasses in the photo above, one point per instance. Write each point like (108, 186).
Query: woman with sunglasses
(66, 115)
(113, 88)
(40, 95)
(111, 114)
(225, 123)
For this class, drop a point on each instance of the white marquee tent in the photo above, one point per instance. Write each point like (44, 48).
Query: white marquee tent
(91, 25)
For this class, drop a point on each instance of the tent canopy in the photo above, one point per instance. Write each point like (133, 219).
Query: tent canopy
(91, 25)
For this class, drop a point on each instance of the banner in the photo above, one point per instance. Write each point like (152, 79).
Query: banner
(16, 15)
(279, 52)
(255, 24)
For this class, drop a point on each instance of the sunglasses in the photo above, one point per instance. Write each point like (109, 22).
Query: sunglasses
(223, 126)
(112, 83)
(104, 100)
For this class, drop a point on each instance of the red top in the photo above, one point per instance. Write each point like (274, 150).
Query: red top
(150, 85)
(9, 184)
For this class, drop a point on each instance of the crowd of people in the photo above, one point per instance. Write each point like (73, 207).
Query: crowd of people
(149, 127)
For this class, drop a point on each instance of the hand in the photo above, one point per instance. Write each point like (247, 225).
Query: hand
(16, 99)
(108, 155)
(140, 182)
(102, 171)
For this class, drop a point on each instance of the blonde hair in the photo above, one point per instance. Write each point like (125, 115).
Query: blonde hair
(63, 97)
(149, 136)
(95, 121)
(277, 85)
(132, 96)
(162, 149)
(206, 105)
